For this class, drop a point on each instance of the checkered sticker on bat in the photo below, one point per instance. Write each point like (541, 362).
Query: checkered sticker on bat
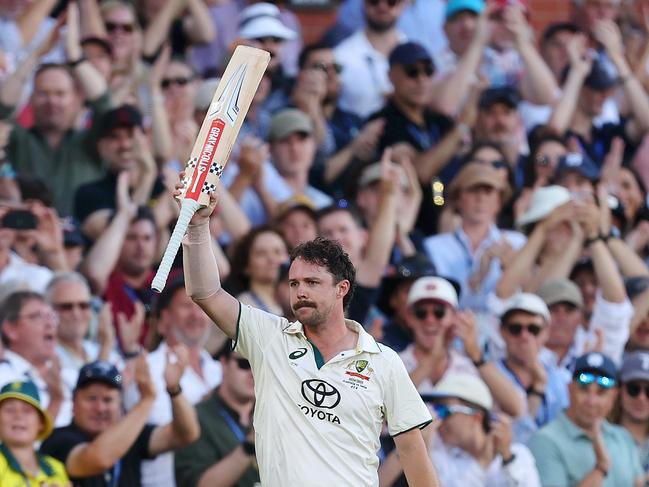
(208, 187)
(217, 169)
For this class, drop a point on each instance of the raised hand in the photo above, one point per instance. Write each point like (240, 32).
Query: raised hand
(608, 34)
(176, 361)
(364, 144)
(72, 34)
(501, 432)
(106, 330)
(49, 231)
(131, 329)
(578, 55)
(142, 378)
(202, 215)
(466, 329)
(123, 196)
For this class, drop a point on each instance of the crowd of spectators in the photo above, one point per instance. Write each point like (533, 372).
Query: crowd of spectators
(488, 182)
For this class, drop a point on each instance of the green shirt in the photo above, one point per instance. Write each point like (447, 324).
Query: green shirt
(217, 441)
(74, 162)
(564, 454)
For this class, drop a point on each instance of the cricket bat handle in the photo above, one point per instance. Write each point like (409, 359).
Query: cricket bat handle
(187, 210)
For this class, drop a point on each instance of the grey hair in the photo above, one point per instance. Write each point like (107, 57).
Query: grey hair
(64, 277)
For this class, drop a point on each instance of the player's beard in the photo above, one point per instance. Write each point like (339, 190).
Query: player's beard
(316, 318)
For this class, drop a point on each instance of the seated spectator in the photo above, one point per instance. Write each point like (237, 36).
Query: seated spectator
(578, 174)
(632, 409)
(472, 446)
(225, 451)
(435, 322)
(185, 331)
(23, 422)
(100, 447)
(475, 252)
(28, 327)
(524, 329)
(580, 447)
(296, 220)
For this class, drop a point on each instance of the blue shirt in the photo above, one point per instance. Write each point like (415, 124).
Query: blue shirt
(452, 256)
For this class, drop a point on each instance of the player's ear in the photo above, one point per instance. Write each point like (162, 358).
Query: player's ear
(342, 288)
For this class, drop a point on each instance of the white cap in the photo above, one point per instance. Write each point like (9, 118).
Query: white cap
(544, 201)
(530, 303)
(262, 20)
(467, 387)
(432, 288)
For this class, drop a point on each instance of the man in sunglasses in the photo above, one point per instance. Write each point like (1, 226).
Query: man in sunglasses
(472, 446)
(225, 452)
(435, 323)
(524, 330)
(580, 447)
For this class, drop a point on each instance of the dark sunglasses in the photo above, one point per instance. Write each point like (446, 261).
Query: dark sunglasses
(243, 363)
(264, 40)
(438, 311)
(516, 329)
(113, 26)
(69, 306)
(391, 3)
(633, 389)
(327, 68)
(414, 71)
(500, 164)
(545, 161)
(443, 411)
(167, 82)
(586, 378)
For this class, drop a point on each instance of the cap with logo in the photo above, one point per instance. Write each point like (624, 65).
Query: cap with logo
(263, 20)
(528, 302)
(434, 288)
(635, 366)
(595, 363)
(454, 7)
(600, 78)
(544, 201)
(27, 392)
(409, 53)
(289, 121)
(476, 174)
(580, 163)
(99, 371)
(561, 290)
(507, 95)
(466, 387)
(122, 116)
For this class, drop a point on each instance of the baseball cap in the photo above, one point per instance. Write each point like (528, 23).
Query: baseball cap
(507, 95)
(636, 285)
(528, 302)
(436, 288)
(561, 291)
(600, 78)
(544, 201)
(476, 174)
(409, 53)
(205, 93)
(595, 363)
(263, 20)
(454, 7)
(72, 236)
(27, 392)
(409, 269)
(466, 387)
(288, 121)
(122, 116)
(99, 371)
(372, 173)
(635, 366)
(574, 161)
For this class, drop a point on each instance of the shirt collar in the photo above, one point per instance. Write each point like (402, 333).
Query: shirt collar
(365, 343)
(18, 362)
(574, 431)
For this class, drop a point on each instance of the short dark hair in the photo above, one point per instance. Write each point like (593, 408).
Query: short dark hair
(346, 208)
(308, 50)
(328, 253)
(164, 299)
(556, 27)
(50, 66)
(144, 213)
(13, 305)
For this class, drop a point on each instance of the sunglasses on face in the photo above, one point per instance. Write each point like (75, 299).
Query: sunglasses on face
(264, 40)
(438, 311)
(413, 71)
(544, 161)
(180, 81)
(114, 26)
(586, 378)
(516, 329)
(634, 389)
(443, 411)
(327, 68)
(242, 363)
(69, 306)
(390, 3)
(500, 164)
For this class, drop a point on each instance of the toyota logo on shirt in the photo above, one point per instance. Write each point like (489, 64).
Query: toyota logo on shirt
(320, 394)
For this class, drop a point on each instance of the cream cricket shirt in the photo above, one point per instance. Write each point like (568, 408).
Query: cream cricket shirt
(319, 426)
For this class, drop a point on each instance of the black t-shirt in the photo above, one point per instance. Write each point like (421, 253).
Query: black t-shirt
(601, 138)
(126, 473)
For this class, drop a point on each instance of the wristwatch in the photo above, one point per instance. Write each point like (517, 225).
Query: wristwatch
(248, 447)
(176, 391)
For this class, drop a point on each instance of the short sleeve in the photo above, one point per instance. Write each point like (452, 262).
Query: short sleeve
(141, 446)
(60, 443)
(404, 407)
(549, 462)
(255, 330)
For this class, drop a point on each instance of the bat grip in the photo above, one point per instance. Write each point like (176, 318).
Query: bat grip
(189, 207)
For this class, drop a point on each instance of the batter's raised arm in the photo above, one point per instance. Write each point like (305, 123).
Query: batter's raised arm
(202, 279)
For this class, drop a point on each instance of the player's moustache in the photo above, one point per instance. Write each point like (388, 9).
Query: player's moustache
(303, 304)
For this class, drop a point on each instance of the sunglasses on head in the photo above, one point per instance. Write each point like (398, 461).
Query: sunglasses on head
(443, 411)
(414, 71)
(633, 389)
(516, 329)
(391, 3)
(69, 306)
(242, 363)
(437, 310)
(327, 68)
(587, 378)
(180, 81)
(114, 26)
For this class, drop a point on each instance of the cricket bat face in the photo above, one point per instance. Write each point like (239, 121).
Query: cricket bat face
(223, 121)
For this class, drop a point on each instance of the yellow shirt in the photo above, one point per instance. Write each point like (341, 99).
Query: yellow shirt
(51, 472)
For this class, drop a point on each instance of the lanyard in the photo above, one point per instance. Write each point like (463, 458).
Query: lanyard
(111, 477)
(467, 252)
(232, 424)
(543, 408)
(15, 466)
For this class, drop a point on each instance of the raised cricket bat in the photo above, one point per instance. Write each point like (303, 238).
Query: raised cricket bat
(214, 143)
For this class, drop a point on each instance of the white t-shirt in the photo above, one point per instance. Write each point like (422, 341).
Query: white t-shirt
(320, 426)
